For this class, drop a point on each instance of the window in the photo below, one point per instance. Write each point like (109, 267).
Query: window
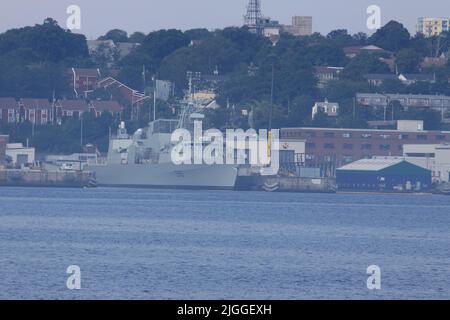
(328, 145)
(422, 137)
(366, 146)
(328, 134)
(440, 137)
(346, 135)
(310, 134)
(403, 137)
(385, 147)
(366, 135)
(385, 136)
(310, 145)
(348, 146)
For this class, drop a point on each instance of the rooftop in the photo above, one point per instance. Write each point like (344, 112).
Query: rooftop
(72, 104)
(83, 72)
(35, 103)
(372, 164)
(109, 105)
(8, 102)
(380, 76)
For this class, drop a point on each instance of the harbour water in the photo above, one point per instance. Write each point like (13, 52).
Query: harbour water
(172, 244)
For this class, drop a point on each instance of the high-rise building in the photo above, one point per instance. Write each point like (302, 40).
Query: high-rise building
(432, 26)
(301, 26)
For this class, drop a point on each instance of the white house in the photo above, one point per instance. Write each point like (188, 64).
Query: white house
(331, 109)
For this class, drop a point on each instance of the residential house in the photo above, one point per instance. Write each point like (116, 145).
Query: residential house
(8, 110)
(378, 79)
(99, 106)
(440, 61)
(133, 96)
(331, 109)
(381, 101)
(70, 108)
(37, 111)
(325, 74)
(83, 80)
(351, 52)
(413, 78)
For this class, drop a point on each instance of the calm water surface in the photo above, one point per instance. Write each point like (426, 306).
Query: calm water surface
(165, 244)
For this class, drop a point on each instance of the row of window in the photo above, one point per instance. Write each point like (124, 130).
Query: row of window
(402, 136)
(349, 146)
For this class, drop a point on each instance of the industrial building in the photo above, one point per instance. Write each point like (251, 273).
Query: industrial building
(396, 175)
(435, 157)
(340, 146)
(18, 155)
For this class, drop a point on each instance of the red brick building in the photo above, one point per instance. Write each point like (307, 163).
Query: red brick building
(37, 111)
(343, 146)
(133, 96)
(8, 109)
(70, 108)
(83, 81)
(111, 106)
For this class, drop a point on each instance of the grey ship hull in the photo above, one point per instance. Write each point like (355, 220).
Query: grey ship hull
(165, 175)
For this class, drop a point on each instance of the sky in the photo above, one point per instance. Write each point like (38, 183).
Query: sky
(99, 16)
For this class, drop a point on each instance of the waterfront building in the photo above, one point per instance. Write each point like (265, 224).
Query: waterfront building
(435, 157)
(383, 175)
(340, 146)
(19, 155)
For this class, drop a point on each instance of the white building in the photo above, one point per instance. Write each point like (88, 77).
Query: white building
(434, 157)
(410, 125)
(19, 154)
(331, 109)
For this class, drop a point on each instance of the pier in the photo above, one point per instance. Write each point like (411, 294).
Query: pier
(44, 178)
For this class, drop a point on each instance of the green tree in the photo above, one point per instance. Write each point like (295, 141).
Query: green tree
(393, 36)
(116, 35)
(408, 61)
(364, 63)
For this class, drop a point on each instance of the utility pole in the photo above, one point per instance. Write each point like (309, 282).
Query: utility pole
(81, 131)
(271, 96)
(154, 98)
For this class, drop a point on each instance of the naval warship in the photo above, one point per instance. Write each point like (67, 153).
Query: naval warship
(144, 160)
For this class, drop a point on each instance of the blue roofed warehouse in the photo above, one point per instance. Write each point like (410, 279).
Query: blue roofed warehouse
(390, 174)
